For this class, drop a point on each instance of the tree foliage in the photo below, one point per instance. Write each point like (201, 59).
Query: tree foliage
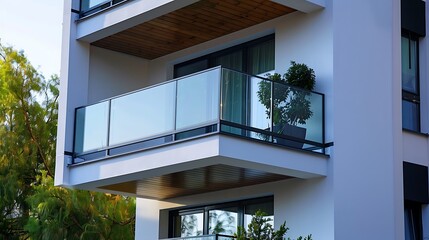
(260, 228)
(30, 206)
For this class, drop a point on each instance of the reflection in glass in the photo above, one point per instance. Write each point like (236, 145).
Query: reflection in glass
(91, 127)
(225, 238)
(409, 65)
(410, 115)
(142, 114)
(191, 224)
(87, 4)
(198, 99)
(259, 101)
(314, 124)
(223, 221)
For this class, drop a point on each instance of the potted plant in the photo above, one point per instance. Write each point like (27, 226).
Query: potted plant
(290, 102)
(260, 228)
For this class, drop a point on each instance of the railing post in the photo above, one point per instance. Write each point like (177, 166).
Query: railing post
(271, 110)
(323, 124)
(176, 86)
(109, 113)
(220, 93)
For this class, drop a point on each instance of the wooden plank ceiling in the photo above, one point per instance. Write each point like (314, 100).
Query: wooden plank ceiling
(197, 23)
(195, 181)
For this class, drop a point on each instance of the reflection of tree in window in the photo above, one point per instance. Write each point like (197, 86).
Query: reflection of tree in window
(222, 221)
(190, 225)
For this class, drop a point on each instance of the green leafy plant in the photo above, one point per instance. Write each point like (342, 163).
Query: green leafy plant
(260, 228)
(290, 91)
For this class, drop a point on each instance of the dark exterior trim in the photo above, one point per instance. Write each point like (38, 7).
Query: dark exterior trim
(416, 187)
(413, 16)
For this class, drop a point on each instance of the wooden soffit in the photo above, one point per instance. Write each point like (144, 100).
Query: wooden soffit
(195, 181)
(194, 24)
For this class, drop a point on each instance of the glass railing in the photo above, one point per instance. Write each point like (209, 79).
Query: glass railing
(217, 100)
(205, 237)
(88, 7)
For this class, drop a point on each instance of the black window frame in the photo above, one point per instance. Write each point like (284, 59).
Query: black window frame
(174, 213)
(408, 96)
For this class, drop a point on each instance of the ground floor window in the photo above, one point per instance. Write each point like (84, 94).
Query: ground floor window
(221, 218)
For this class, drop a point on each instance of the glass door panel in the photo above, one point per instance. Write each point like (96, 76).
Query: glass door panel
(233, 88)
(261, 58)
(223, 221)
(188, 225)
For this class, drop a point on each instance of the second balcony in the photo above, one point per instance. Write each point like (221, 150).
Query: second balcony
(214, 101)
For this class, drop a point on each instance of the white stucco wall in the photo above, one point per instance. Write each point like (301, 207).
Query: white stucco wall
(73, 89)
(113, 73)
(367, 155)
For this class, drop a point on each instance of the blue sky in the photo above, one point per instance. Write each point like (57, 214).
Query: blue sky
(34, 26)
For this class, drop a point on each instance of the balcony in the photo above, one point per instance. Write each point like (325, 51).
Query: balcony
(215, 101)
(208, 131)
(205, 237)
(88, 7)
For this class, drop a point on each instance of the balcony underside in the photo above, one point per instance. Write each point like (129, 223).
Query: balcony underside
(195, 181)
(203, 164)
(191, 25)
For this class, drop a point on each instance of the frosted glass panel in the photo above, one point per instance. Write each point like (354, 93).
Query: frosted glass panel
(91, 127)
(87, 4)
(142, 114)
(198, 99)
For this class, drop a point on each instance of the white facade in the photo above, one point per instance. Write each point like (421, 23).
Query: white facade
(353, 191)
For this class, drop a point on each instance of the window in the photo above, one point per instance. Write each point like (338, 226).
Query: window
(189, 223)
(223, 220)
(410, 82)
(413, 221)
(219, 218)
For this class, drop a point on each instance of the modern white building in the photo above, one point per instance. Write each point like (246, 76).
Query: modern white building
(168, 101)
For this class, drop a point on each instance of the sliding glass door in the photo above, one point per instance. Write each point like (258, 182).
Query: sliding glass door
(239, 92)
